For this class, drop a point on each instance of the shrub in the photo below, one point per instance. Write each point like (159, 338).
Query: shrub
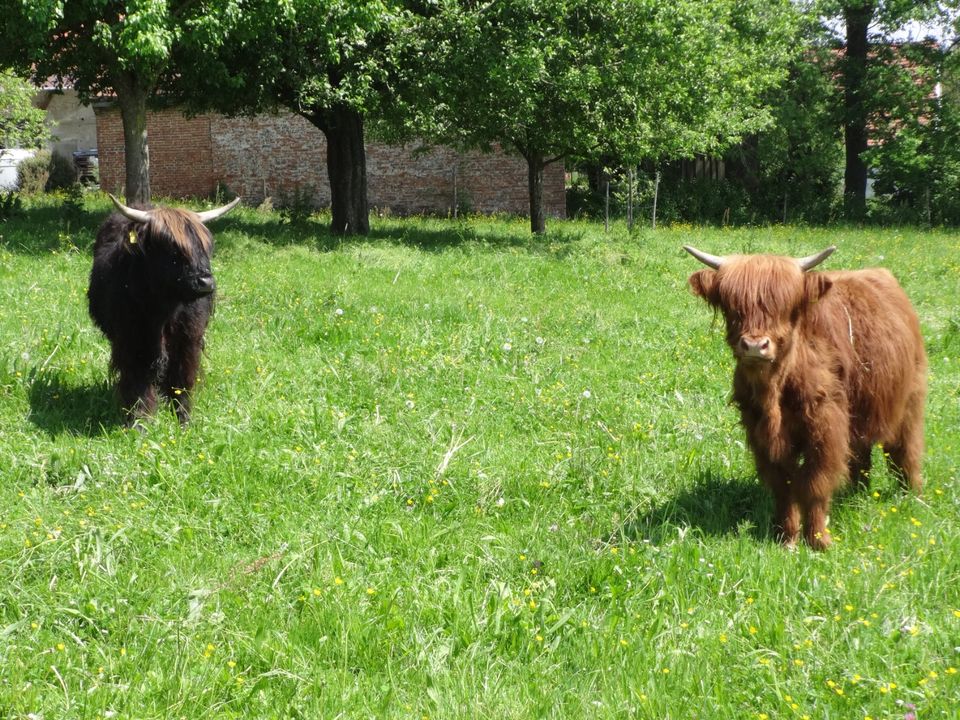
(10, 205)
(46, 172)
(63, 173)
(33, 173)
(297, 206)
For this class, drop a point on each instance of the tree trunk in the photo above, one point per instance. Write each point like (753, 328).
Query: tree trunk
(132, 97)
(857, 17)
(346, 169)
(535, 165)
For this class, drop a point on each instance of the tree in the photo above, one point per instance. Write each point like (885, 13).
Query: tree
(865, 24)
(329, 61)
(916, 160)
(119, 47)
(551, 79)
(21, 124)
(793, 168)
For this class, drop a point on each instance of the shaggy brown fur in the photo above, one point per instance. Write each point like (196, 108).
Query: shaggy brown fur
(828, 364)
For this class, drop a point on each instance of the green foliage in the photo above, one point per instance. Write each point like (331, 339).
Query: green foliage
(585, 79)
(298, 205)
(21, 124)
(121, 48)
(916, 163)
(46, 172)
(33, 173)
(73, 199)
(10, 205)
(576, 78)
(306, 56)
(63, 173)
(448, 472)
(794, 167)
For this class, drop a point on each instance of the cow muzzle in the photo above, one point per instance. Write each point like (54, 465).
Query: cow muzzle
(756, 347)
(203, 284)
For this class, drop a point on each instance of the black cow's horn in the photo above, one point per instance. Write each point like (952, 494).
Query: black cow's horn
(713, 261)
(811, 261)
(129, 212)
(208, 215)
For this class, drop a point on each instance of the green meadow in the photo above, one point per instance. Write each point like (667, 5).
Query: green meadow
(452, 471)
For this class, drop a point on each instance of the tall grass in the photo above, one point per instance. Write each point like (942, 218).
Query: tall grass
(451, 471)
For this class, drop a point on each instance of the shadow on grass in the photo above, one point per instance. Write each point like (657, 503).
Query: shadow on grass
(40, 230)
(714, 506)
(57, 407)
(428, 234)
(49, 226)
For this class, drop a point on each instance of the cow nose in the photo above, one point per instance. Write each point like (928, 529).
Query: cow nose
(754, 346)
(205, 284)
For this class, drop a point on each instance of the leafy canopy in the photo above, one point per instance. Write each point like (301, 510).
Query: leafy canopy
(21, 124)
(306, 55)
(641, 79)
(101, 46)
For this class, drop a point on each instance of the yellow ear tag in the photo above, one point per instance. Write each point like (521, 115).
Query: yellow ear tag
(133, 237)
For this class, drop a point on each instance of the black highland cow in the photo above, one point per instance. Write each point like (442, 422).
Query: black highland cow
(151, 293)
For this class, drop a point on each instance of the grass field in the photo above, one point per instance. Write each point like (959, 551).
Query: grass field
(452, 472)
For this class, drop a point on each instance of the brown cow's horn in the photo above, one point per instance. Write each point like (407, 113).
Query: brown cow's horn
(811, 261)
(129, 212)
(713, 261)
(208, 215)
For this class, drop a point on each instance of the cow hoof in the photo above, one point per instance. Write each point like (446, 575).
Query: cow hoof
(137, 424)
(819, 540)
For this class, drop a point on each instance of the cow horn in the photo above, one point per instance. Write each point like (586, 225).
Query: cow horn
(208, 215)
(713, 261)
(811, 261)
(129, 212)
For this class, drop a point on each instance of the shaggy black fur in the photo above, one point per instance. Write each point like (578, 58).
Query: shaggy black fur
(151, 293)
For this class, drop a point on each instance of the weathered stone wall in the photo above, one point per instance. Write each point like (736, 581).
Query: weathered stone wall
(278, 155)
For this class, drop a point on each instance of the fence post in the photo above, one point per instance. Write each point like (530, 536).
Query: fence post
(606, 208)
(656, 193)
(455, 200)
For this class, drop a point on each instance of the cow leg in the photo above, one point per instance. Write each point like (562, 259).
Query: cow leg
(786, 515)
(815, 532)
(824, 467)
(138, 365)
(138, 395)
(184, 348)
(786, 511)
(859, 467)
(822, 475)
(905, 454)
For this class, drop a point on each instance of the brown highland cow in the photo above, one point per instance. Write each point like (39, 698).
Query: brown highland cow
(827, 365)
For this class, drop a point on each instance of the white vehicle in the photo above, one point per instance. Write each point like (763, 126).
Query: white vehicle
(9, 159)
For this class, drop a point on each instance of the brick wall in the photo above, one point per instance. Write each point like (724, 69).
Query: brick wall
(181, 157)
(275, 155)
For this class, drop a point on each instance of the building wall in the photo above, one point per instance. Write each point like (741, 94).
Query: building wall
(181, 157)
(72, 125)
(278, 155)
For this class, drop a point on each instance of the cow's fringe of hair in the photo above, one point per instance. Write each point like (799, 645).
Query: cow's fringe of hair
(766, 284)
(183, 227)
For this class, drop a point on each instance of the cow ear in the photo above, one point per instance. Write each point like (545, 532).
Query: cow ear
(704, 285)
(815, 286)
(132, 238)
